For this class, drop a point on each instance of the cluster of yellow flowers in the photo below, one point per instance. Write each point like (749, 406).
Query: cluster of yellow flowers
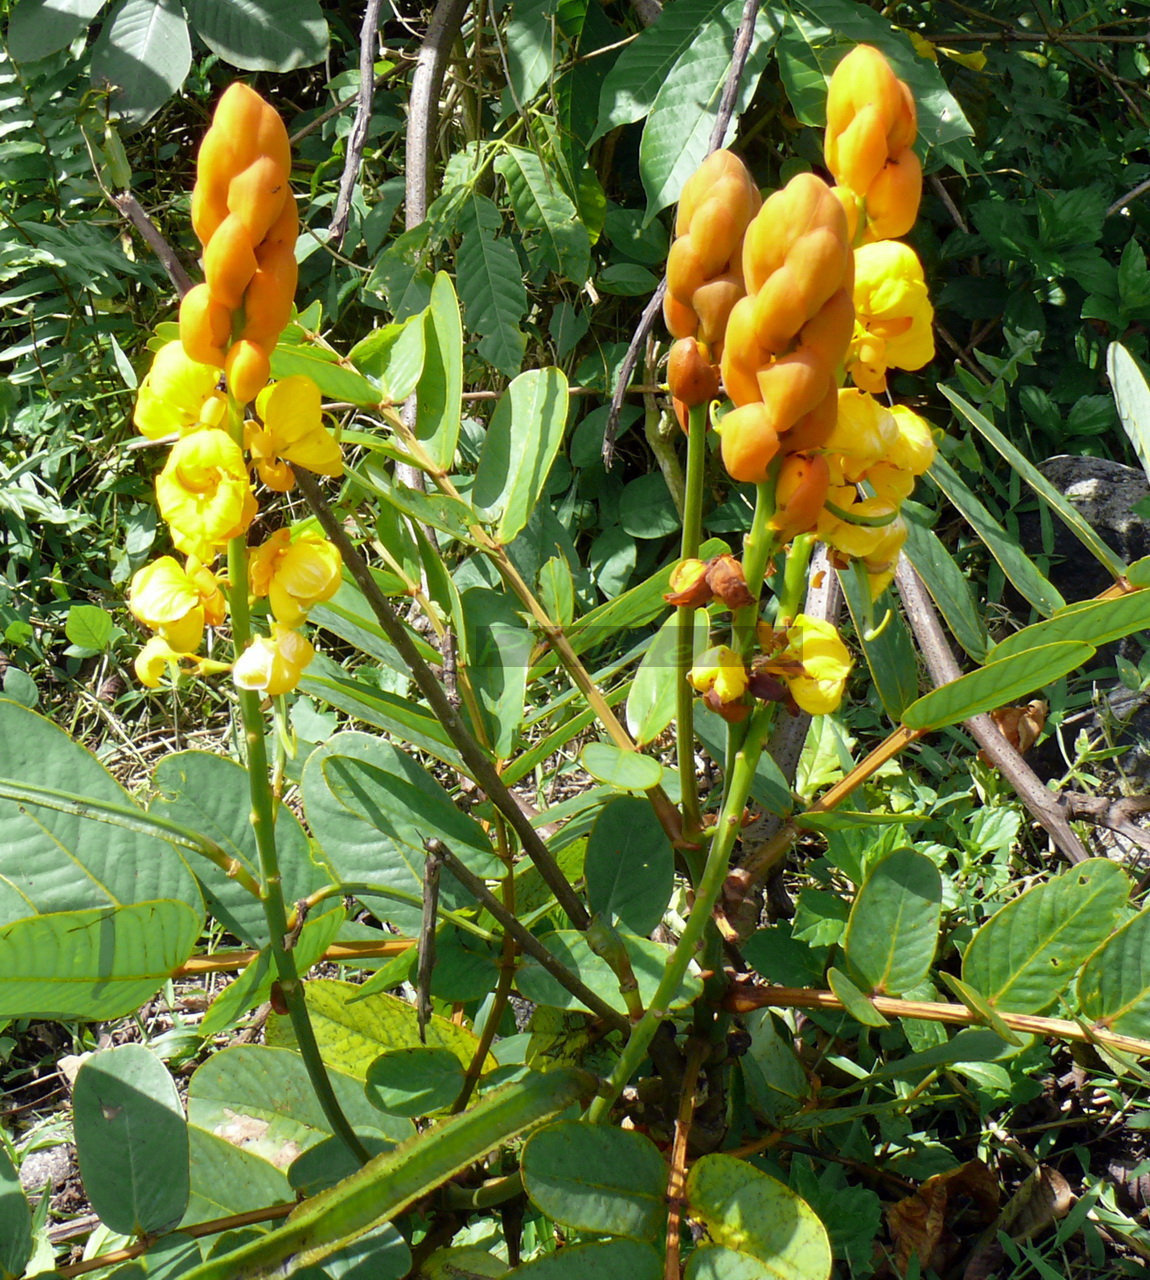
(205, 491)
(816, 293)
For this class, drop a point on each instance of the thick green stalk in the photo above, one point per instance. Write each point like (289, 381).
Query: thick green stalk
(271, 882)
(685, 650)
(706, 896)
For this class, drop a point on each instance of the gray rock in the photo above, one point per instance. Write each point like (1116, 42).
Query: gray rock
(1105, 493)
(50, 1167)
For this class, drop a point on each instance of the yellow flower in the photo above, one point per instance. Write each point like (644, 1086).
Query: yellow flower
(203, 492)
(273, 664)
(864, 432)
(294, 575)
(862, 532)
(893, 315)
(292, 431)
(815, 664)
(156, 657)
(178, 395)
(720, 669)
(176, 603)
(883, 558)
(912, 448)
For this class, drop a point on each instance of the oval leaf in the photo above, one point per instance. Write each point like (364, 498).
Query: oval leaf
(629, 865)
(1114, 985)
(145, 52)
(262, 35)
(610, 1181)
(131, 1140)
(625, 770)
(892, 931)
(15, 1220)
(1096, 622)
(520, 445)
(996, 685)
(753, 1215)
(1027, 953)
(414, 1081)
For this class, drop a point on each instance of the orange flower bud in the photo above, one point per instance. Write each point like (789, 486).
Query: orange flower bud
(205, 326)
(892, 199)
(799, 494)
(256, 196)
(713, 303)
(784, 217)
(248, 369)
(685, 270)
(792, 387)
(749, 442)
(229, 262)
(742, 354)
(692, 377)
(717, 166)
(828, 333)
(268, 301)
(679, 316)
(814, 429)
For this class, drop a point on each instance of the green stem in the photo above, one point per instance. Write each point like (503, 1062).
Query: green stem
(706, 896)
(271, 883)
(795, 573)
(685, 652)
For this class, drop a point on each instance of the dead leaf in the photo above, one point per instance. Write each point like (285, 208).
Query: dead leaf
(928, 1224)
(1042, 1199)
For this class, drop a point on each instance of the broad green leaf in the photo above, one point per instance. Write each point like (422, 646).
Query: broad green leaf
(353, 1029)
(648, 960)
(399, 717)
(259, 1098)
(1065, 510)
(629, 865)
(676, 137)
(211, 794)
(892, 931)
(40, 27)
(624, 770)
(1114, 985)
(380, 1254)
(519, 449)
(336, 380)
(93, 965)
(854, 1000)
(530, 37)
(604, 1259)
(393, 356)
(439, 403)
(775, 1080)
(371, 807)
(1095, 622)
(819, 33)
(131, 1140)
(15, 1221)
(633, 83)
(61, 861)
(488, 277)
(415, 1081)
(497, 655)
(1015, 563)
(652, 701)
(943, 579)
(545, 215)
(1027, 953)
(996, 685)
(143, 50)
(389, 1183)
(755, 1218)
(227, 1178)
(348, 616)
(594, 1178)
(1131, 395)
(449, 1264)
(262, 35)
(90, 627)
(769, 787)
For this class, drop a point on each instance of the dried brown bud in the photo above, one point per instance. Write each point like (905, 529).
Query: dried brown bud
(726, 579)
(689, 586)
(690, 374)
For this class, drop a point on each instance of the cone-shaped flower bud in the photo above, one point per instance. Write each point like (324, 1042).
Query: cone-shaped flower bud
(691, 376)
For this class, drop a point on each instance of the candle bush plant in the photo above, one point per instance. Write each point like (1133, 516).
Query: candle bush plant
(633, 1124)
